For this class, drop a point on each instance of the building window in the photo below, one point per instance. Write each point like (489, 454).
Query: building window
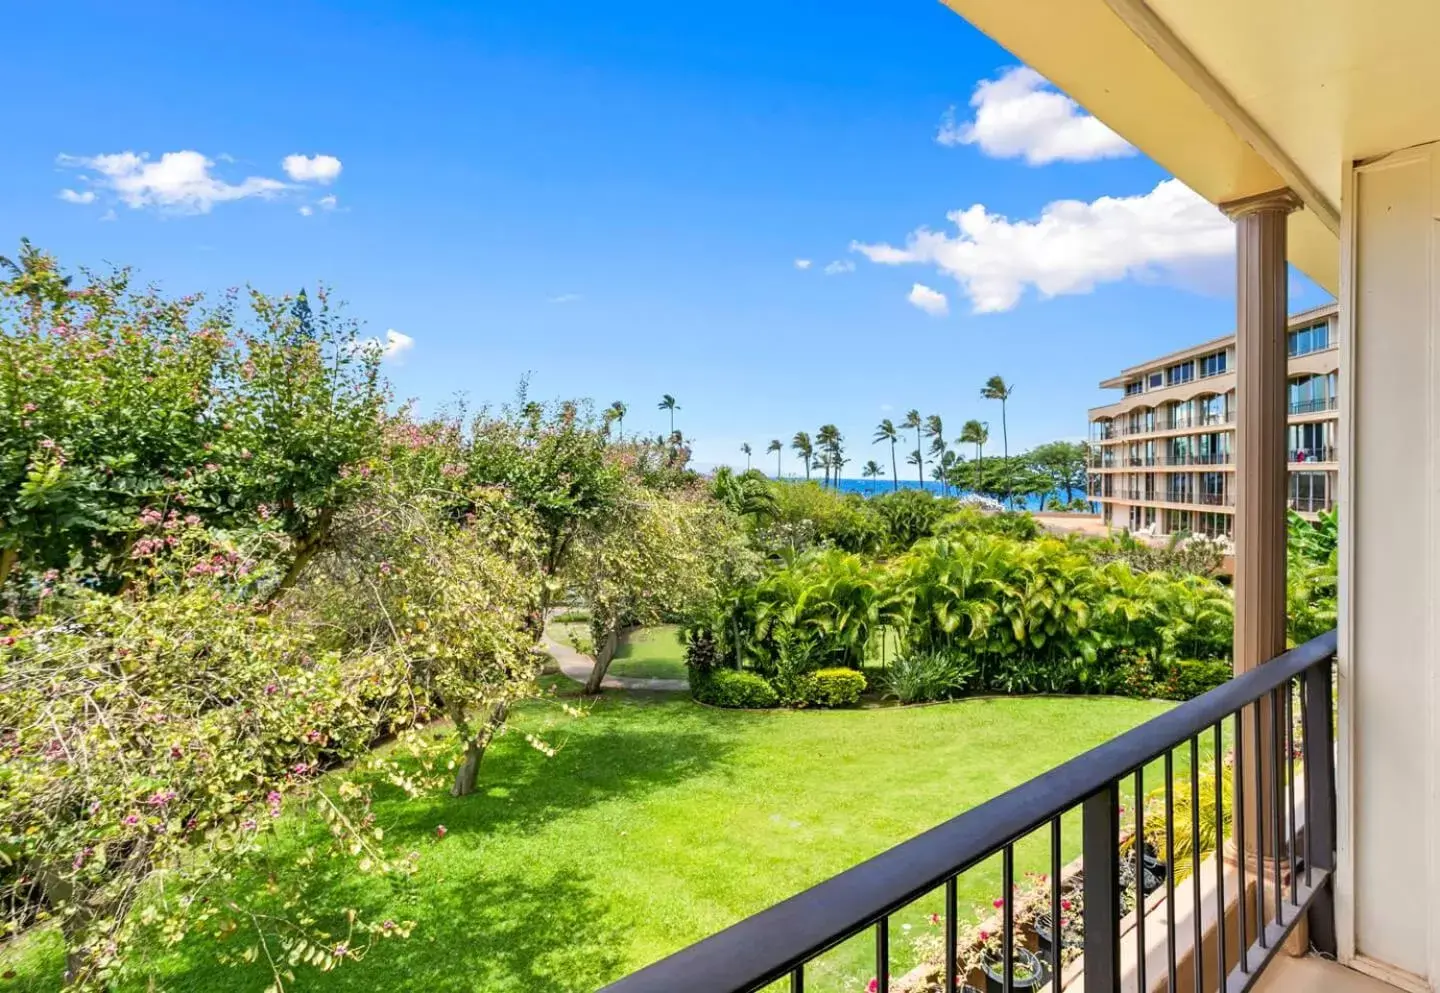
(1181, 373)
(1157, 380)
(1212, 365)
(1136, 387)
(1312, 394)
(1211, 409)
(1214, 525)
(1312, 442)
(1177, 521)
(1303, 341)
(1309, 491)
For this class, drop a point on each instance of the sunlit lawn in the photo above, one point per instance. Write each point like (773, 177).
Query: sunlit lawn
(658, 822)
(652, 653)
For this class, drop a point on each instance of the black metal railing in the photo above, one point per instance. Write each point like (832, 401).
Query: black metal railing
(1310, 504)
(1270, 862)
(1324, 453)
(1314, 406)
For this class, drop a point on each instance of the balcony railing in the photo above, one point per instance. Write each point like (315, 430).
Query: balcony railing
(1314, 406)
(1253, 714)
(1310, 504)
(1323, 454)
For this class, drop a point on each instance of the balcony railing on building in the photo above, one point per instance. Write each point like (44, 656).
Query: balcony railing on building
(1120, 916)
(1325, 453)
(1314, 406)
(1311, 504)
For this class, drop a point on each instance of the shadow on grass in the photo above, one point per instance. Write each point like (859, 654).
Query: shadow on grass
(489, 920)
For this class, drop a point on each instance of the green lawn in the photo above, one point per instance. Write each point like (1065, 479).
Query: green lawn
(660, 821)
(651, 653)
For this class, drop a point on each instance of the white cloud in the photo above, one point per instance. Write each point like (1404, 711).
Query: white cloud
(109, 215)
(71, 196)
(564, 298)
(393, 346)
(311, 168)
(933, 302)
(306, 210)
(839, 266)
(180, 181)
(802, 263)
(1169, 232)
(329, 202)
(1021, 114)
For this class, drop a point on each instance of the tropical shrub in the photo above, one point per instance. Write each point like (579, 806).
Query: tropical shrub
(921, 677)
(829, 688)
(826, 517)
(1181, 555)
(730, 688)
(909, 515)
(1020, 526)
(1189, 678)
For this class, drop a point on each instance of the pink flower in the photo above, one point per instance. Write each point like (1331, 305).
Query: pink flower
(46, 443)
(935, 919)
(997, 903)
(274, 801)
(29, 408)
(192, 519)
(873, 986)
(1064, 904)
(440, 831)
(131, 820)
(984, 935)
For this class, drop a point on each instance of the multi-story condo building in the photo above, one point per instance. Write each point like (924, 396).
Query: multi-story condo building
(1162, 455)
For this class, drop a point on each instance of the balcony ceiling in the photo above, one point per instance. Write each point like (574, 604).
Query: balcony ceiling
(1238, 97)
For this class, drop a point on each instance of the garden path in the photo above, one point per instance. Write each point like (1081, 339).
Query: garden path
(577, 666)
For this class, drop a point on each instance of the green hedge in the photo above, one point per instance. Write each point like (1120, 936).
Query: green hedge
(829, 688)
(728, 688)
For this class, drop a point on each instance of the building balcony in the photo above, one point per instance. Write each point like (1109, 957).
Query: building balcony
(1310, 504)
(1325, 454)
(1303, 407)
(1260, 750)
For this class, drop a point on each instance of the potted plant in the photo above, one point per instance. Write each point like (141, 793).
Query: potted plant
(1072, 928)
(1027, 972)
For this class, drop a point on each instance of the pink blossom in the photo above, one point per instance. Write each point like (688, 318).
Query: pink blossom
(997, 902)
(873, 985)
(248, 824)
(131, 820)
(46, 443)
(192, 519)
(29, 408)
(274, 801)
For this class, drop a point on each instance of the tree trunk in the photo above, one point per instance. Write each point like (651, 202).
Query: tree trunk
(604, 654)
(8, 558)
(469, 772)
(305, 549)
(1005, 441)
(894, 469)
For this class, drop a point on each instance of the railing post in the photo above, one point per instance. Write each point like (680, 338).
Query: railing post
(1100, 845)
(1319, 747)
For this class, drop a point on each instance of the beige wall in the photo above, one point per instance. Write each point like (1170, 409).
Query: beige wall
(1389, 887)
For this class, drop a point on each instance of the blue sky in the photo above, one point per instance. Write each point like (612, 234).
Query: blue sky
(614, 198)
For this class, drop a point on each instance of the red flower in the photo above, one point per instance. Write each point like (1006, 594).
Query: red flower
(997, 903)
(440, 831)
(874, 985)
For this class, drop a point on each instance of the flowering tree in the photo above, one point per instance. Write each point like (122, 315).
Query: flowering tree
(115, 401)
(164, 731)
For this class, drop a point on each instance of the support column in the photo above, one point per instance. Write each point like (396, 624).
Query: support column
(1261, 485)
(1261, 362)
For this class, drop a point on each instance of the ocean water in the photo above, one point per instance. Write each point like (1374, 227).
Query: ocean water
(874, 487)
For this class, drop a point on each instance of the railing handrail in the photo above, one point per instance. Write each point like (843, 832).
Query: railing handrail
(766, 947)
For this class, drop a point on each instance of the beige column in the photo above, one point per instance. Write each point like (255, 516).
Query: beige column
(1260, 496)
(1261, 281)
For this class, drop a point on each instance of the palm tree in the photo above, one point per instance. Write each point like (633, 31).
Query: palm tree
(828, 438)
(912, 420)
(745, 447)
(976, 433)
(777, 448)
(885, 431)
(802, 445)
(935, 431)
(872, 470)
(618, 411)
(917, 460)
(996, 388)
(667, 402)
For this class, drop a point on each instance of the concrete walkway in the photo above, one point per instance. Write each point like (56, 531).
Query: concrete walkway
(578, 667)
